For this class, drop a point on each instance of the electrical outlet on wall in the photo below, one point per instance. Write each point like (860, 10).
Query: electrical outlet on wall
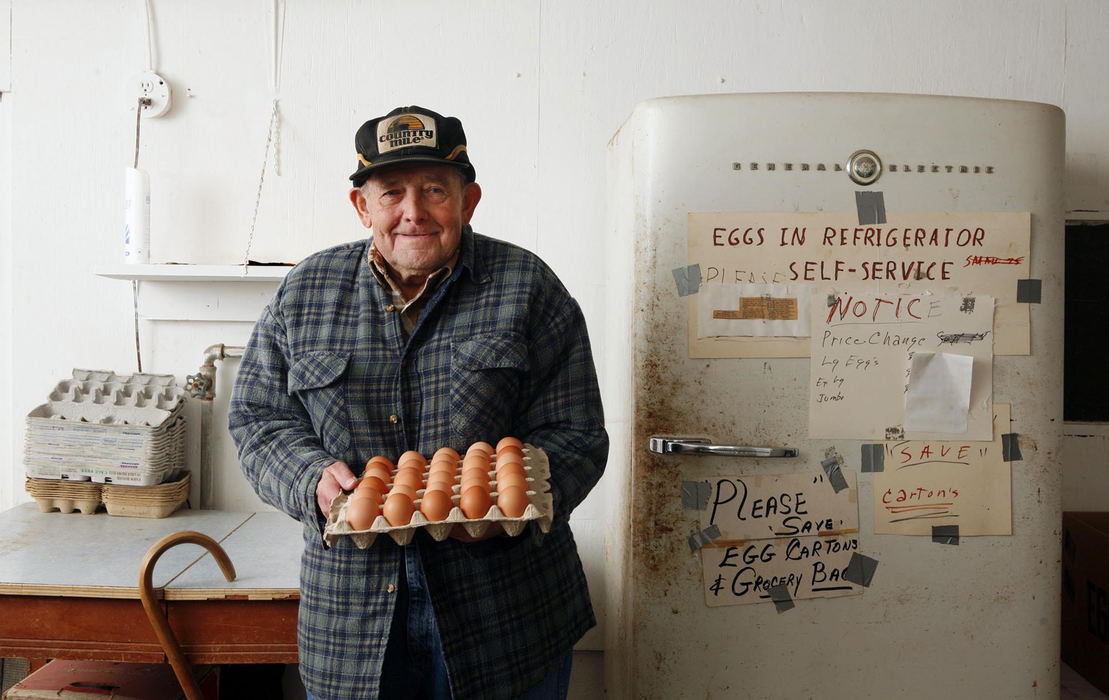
(149, 91)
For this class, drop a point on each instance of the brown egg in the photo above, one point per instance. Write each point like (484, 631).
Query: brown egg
(476, 468)
(398, 509)
(508, 440)
(441, 468)
(477, 459)
(361, 512)
(512, 501)
(368, 494)
(410, 476)
(411, 457)
(473, 480)
(436, 505)
(509, 450)
(443, 463)
(444, 467)
(477, 465)
(481, 446)
(405, 489)
(511, 468)
(372, 482)
(384, 461)
(508, 457)
(448, 453)
(440, 482)
(475, 503)
(507, 479)
(380, 471)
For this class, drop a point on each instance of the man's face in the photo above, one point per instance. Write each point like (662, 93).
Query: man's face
(417, 213)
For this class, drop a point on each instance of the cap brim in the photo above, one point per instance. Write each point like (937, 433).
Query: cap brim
(359, 176)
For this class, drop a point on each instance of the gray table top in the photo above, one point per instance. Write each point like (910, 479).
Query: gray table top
(99, 555)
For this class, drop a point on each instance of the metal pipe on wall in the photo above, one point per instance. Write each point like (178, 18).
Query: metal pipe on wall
(202, 386)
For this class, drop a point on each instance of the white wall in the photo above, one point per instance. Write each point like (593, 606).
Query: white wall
(540, 86)
(7, 422)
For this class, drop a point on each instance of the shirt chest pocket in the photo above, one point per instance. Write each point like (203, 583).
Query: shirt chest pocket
(487, 375)
(317, 379)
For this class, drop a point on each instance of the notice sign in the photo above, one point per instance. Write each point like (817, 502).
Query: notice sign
(917, 366)
(792, 530)
(925, 483)
(980, 252)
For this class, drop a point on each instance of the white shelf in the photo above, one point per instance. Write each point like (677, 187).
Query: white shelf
(171, 292)
(196, 273)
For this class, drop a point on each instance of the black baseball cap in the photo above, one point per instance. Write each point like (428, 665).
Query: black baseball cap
(410, 135)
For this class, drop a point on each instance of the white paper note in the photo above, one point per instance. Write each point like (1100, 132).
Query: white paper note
(938, 398)
(734, 310)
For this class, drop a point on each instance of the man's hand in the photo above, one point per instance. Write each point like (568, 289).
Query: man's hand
(336, 478)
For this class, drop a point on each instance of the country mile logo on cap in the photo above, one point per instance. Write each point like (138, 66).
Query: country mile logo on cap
(406, 130)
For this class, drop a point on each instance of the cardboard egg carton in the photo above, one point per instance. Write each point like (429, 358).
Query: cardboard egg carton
(108, 428)
(131, 501)
(65, 496)
(146, 501)
(539, 509)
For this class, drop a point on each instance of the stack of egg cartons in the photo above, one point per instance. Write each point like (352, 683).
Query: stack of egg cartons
(108, 428)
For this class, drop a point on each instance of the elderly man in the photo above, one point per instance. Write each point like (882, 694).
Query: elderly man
(425, 335)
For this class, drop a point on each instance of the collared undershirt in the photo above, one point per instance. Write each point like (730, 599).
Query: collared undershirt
(408, 310)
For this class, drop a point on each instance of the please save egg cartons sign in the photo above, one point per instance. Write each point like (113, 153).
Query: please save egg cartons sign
(794, 533)
(506, 484)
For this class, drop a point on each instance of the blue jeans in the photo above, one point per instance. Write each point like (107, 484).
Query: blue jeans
(414, 664)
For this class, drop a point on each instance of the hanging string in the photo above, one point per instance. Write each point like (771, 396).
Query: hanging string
(138, 121)
(135, 283)
(135, 301)
(275, 120)
(273, 133)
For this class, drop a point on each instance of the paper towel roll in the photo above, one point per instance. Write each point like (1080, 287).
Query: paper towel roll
(136, 216)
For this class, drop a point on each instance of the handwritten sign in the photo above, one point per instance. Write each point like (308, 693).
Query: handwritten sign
(984, 253)
(794, 530)
(926, 483)
(809, 567)
(861, 359)
(760, 506)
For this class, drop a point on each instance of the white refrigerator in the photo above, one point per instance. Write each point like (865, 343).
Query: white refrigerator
(897, 198)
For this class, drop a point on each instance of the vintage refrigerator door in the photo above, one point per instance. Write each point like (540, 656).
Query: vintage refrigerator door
(976, 620)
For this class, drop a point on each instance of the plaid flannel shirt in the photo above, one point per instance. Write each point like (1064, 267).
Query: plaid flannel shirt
(501, 349)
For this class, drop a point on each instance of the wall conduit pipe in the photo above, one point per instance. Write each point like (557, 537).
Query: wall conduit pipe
(202, 386)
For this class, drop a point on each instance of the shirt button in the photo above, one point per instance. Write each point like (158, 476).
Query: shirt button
(394, 418)
(390, 307)
(391, 588)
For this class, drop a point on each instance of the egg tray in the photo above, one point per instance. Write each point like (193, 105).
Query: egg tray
(67, 497)
(540, 510)
(50, 430)
(128, 501)
(145, 465)
(106, 427)
(96, 396)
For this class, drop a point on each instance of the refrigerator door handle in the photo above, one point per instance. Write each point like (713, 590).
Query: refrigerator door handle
(690, 445)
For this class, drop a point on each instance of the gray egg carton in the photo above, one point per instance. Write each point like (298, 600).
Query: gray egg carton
(109, 428)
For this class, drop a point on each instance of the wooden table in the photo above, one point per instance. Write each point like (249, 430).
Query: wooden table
(69, 587)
